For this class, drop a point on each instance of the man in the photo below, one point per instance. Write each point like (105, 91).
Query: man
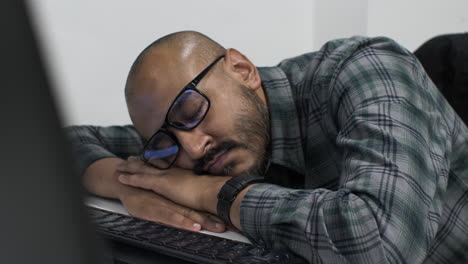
(364, 160)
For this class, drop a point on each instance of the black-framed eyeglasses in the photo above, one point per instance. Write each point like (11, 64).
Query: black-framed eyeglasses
(186, 112)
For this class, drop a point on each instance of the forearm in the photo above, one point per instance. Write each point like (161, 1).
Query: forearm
(100, 178)
(92, 143)
(235, 208)
(336, 226)
(210, 198)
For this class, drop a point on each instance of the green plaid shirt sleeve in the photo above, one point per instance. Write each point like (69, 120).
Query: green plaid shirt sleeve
(385, 160)
(91, 143)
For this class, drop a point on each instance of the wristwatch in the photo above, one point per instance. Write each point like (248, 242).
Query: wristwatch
(229, 192)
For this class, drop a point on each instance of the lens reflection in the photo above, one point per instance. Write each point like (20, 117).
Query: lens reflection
(161, 151)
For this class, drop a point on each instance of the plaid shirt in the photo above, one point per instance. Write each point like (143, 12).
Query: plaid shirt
(381, 156)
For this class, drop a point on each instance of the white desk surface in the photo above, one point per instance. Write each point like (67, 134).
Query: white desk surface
(116, 206)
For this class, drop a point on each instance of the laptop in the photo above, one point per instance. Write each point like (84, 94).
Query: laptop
(44, 219)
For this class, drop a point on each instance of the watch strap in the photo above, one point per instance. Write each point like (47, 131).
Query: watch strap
(229, 192)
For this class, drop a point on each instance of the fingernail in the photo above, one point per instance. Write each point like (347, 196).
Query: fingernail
(196, 226)
(122, 178)
(217, 224)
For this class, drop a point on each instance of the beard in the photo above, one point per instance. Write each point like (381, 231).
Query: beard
(252, 126)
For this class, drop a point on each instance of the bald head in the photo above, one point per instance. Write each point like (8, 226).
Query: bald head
(178, 51)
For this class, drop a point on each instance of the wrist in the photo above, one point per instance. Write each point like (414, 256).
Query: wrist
(230, 192)
(235, 208)
(209, 196)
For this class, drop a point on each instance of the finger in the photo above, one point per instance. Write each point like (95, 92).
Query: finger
(145, 181)
(233, 229)
(132, 165)
(215, 218)
(219, 225)
(175, 219)
(138, 164)
(167, 216)
(207, 222)
(134, 158)
(152, 207)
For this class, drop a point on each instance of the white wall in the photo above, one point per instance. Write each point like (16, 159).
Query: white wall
(91, 44)
(413, 22)
(338, 19)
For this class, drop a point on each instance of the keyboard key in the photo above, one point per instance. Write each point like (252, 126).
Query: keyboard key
(250, 260)
(109, 224)
(123, 226)
(166, 239)
(280, 258)
(180, 244)
(257, 251)
(209, 241)
(124, 220)
(231, 255)
(154, 235)
(209, 252)
(194, 237)
(196, 247)
(109, 218)
(95, 214)
(224, 244)
(242, 246)
(137, 231)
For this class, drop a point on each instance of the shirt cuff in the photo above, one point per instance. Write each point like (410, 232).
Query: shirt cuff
(258, 211)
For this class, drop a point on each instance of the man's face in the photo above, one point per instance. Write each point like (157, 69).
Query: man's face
(250, 135)
(233, 137)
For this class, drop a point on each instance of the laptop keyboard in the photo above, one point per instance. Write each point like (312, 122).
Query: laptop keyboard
(182, 244)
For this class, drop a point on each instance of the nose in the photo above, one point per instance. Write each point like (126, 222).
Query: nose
(194, 142)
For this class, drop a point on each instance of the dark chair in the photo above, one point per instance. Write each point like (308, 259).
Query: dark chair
(445, 59)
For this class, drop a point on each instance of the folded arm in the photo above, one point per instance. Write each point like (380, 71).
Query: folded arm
(100, 150)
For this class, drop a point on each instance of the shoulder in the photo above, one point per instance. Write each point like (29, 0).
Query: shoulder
(350, 67)
(348, 74)
(335, 54)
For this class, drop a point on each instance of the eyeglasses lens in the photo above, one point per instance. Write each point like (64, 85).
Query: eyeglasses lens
(161, 151)
(188, 110)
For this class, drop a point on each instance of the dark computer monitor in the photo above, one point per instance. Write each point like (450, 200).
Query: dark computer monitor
(42, 216)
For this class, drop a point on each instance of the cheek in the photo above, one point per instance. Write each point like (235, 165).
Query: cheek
(245, 162)
(221, 119)
(183, 161)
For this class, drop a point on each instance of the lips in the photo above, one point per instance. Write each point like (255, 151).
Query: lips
(216, 164)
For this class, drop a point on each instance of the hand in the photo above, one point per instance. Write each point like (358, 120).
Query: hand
(151, 206)
(100, 178)
(178, 185)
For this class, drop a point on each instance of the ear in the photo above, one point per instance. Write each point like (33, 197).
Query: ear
(242, 69)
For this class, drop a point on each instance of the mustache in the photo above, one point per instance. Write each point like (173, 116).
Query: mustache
(225, 145)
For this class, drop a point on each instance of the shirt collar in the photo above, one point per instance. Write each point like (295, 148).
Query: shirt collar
(286, 148)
